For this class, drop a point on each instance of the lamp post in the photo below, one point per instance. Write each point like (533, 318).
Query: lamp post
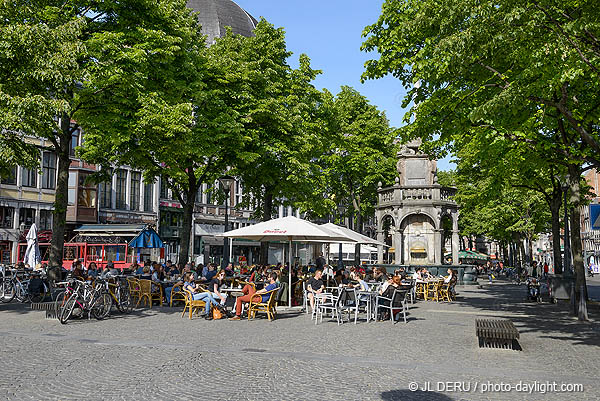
(226, 182)
(564, 184)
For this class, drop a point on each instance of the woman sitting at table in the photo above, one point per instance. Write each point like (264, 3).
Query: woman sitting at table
(394, 283)
(450, 276)
(380, 274)
(92, 271)
(198, 295)
(215, 284)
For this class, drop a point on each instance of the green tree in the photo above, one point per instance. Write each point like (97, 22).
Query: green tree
(282, 119)
(361, 154)
(66, 65)
(522, 71)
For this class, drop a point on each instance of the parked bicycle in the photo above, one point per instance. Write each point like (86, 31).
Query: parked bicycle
(23, 286)
(88, 298)
(119, 291)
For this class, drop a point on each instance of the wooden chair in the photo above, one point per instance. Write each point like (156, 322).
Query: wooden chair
(191, 305)
(268, 307)
(134, 288)
(421, 290)
(149, 295)
(177, 294)
(447, 291)
(433, 290)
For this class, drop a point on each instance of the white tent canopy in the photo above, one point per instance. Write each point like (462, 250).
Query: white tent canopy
(32, 253)
(357, 237)
(290, 229)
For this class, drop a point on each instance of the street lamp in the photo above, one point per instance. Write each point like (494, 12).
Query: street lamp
(226, 181)
(564, 184)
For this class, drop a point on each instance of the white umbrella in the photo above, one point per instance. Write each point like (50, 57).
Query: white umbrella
(32, 253)
(357, 237)
(287, 229)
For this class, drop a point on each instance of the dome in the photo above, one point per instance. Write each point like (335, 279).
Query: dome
(215, 15)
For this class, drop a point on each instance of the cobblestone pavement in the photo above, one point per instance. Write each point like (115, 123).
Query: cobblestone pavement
(156, 354)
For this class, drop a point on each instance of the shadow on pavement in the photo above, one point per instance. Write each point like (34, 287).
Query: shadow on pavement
(546, 319)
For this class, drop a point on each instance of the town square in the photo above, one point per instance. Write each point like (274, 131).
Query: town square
(263, 200)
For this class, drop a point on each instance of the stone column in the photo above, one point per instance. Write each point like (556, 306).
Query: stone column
(437, 246)
(397, 235)
(380, 238)
(455, 247)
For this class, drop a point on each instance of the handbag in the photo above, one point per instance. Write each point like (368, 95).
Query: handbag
(217, 314)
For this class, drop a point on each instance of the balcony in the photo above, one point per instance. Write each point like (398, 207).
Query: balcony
(425, 194)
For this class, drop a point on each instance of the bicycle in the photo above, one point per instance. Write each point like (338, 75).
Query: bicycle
(120, 294)
(32, 289)
(90, 298)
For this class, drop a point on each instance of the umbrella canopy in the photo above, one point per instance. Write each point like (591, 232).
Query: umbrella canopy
(357, 237)
(32, 253)
(148, 238)
(288, 228)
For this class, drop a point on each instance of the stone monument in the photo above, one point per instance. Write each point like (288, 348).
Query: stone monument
(413, 212)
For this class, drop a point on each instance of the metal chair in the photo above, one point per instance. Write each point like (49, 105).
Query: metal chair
(348, 302)
(397, 301)
(327, 302)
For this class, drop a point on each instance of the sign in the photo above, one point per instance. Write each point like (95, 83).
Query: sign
(595, 216)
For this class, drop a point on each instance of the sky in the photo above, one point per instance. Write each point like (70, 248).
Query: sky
(330, 33)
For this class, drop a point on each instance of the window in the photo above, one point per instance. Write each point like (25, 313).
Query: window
(105, 193)
(87, 193)
(28, 177)
(11, 179)
(285, 211)
(72, 188)
(148, 197)
(74, 141)
(6, 216)
(26, 216)
(49, 170)
(45, 219)
(164, 190)
(134, 198)
(120, 190)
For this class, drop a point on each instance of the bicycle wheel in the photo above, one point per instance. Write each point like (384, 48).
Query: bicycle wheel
(8, 291)
(40, 295)
(125, 304)
(102, 305)
(67, 309)
(61, 299)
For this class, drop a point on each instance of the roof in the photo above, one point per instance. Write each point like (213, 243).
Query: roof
(215, 15)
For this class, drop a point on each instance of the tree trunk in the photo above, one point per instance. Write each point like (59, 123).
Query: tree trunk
(357, 246)
(186, 230)
(556, 252)
(267, 212)
(576, 247)
(59, 215)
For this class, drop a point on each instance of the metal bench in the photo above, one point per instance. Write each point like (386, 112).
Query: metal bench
(497, 333)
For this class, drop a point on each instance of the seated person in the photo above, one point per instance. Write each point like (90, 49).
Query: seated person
(395, 282)
(210, 273)
(173, 271)
(340, 278)
(139, 270)
(314, 286)
(92, 271)
(77, 272)
(215, 284)
(450, 276)
(417, 274)
(380, 274)
(426, 275)
(198, 295)
(229, 270)
(146, 273)
(250, 294)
